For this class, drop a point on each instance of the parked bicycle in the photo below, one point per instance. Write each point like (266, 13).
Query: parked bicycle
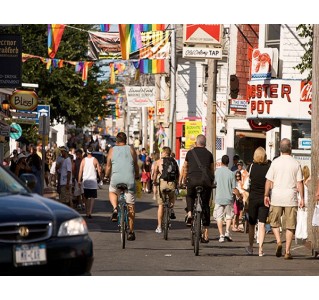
(122, 212)
(196, 228)
(166, 213)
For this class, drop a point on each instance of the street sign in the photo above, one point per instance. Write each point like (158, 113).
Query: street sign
(203, 34)
(41, 107)
(18, 129)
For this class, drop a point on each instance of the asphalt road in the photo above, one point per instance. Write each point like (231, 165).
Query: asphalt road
(151, 255)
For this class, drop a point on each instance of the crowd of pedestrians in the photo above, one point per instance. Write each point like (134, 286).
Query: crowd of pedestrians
(264, 191)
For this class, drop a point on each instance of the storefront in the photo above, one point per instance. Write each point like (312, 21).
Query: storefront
(287, 104)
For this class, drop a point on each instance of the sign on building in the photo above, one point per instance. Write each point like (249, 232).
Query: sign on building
(196, 52)
(10, 60)
(140, 96)
(203, 34)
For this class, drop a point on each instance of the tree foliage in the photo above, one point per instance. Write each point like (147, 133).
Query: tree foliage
(62, 88)
(306, 31)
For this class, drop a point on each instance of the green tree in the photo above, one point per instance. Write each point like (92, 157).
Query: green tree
(62, 88)
(306, 31)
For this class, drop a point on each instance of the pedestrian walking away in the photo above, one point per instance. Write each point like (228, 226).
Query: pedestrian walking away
(257, 211)
(90, 169)
(224, 202)
(122, 167)
(284, 179)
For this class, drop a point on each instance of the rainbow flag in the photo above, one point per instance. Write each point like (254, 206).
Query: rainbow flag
(152, 27)
(105, 27)
(130, 38)
(55, 32)
(152, 66)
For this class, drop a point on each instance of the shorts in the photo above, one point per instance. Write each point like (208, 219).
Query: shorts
(130, 197)
(257, 211)
(221, 211)
(78, 190)
(65, 195)
(160, 195)
(90, 193)
(290, 212)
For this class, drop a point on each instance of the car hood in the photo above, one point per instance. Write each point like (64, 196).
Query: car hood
(33, 207)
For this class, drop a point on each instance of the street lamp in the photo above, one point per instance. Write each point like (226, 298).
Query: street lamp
(5, 105)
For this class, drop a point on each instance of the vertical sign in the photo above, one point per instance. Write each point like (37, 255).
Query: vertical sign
(192, 130)
(10, 61)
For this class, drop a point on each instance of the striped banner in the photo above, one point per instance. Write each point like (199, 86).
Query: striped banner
(152, 27)
(153, 66)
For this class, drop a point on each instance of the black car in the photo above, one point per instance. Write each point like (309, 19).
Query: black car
(40, 236)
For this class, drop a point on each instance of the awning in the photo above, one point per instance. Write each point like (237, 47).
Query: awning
(251, 134)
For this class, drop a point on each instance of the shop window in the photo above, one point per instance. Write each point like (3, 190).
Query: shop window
(273, 36)
(300, 133)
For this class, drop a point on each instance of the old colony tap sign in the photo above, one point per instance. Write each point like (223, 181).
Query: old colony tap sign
(24, 100)
(279, 99)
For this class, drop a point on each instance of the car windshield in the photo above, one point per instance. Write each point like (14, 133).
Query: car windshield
(9, 184)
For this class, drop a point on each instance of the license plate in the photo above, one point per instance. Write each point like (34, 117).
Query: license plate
(30, 254)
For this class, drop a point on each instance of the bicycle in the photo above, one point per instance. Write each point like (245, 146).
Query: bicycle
(166, 212)
(196, 228)
(122, 212)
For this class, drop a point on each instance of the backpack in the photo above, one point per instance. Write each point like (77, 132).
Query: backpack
(170, 169)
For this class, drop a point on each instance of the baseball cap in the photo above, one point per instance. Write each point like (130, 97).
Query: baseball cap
(240, 162)
(64, 148)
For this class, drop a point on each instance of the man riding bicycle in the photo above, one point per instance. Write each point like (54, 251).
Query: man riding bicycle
(198, 170)
(123, 168)
(165, 183)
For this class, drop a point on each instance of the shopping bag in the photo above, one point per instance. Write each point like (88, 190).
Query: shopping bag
(301, 228)
(315, 217)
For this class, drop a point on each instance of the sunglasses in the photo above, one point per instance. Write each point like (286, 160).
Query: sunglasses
(238, 176)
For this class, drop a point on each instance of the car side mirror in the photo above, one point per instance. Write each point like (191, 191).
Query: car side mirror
(30, 180)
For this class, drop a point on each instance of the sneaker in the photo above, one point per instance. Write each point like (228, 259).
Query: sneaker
(288, 256)
(188, 220)
(131, 236)
(279, 250)
(158, 230)
(114, 216)
(221, 239)
(228, 237)
(249, 250)
(172, 216)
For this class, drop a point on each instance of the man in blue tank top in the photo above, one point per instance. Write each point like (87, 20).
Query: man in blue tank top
(122, 167)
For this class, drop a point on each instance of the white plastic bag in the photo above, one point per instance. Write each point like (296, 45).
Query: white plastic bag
(315, 217)
(301, 228)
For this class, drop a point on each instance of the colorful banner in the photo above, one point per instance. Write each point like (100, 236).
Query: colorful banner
(130, 38)
(104, 45)
(152, 27)
(55, 32)
(105, 27)
(153, 66)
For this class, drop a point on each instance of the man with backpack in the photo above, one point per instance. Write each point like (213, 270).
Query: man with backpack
(198, 170)
(166, 176)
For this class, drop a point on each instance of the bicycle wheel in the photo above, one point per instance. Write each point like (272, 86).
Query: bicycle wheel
(197, 228)
(122, 226)
(166, 221)
(192, 234)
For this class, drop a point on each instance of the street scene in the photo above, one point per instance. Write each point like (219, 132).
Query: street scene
(176, 159)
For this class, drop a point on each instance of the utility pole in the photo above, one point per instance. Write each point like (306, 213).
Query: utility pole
(313, 234)
(211, 106)
(172, 111)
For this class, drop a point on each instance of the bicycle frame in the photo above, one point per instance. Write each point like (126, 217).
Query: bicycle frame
(196, 228)
(122, 213)
(166, 213)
